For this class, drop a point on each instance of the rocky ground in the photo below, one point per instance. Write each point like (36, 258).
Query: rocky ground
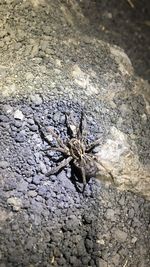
(46, 221)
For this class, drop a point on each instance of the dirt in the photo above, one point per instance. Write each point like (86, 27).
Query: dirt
(46, 221)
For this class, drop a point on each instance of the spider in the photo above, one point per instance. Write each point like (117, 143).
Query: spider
(76, 151)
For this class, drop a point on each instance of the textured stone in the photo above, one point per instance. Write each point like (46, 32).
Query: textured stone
(18, 115)
(36, 99)
(120, 235)
(15, 202)
(127, 171)
(4, 164)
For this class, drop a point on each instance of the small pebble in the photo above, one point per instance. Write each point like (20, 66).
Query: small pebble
(18, 115)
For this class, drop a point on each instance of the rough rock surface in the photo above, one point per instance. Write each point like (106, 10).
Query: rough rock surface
(52, 60)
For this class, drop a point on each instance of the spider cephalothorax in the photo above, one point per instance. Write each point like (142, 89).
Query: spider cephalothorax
(76, 151)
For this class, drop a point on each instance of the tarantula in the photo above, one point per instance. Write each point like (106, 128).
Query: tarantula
(76, 151)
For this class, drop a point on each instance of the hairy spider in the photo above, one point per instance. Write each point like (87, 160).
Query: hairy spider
(76, 151)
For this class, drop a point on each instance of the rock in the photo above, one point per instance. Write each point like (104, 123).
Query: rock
(115, 259)
(20, 137)
(29, 76)
(32, 186)
(42, 167)
(4, 118)
(7, 109)
(65, 181)
(15, 202)
(36, 99)
(42, 191)
(22, 186)
(4, 164)
(33, 128)
(102, 263)
(30, 121)
(32, 193)
(36, 179)
(17, 124)
(120, 235)
(125, 166)
(35, 51)
(10, 184)
(18, 115)
(131, 213)
(110, 214)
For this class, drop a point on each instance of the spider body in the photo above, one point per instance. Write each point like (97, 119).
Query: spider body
(76, 151)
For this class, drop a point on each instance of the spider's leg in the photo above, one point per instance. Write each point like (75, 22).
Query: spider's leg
(92, 145)
(81, 133)
(42, 134)
(57, 168)
(59, 149)
(58, 139)
(106, 169)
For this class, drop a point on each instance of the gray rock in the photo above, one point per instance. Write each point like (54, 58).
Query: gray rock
(7, 109)
(4, 118)
(32, 186)
(32, 193)
(36, 179)
(36, 99)
(65, 181)
(17, 124)
(120, 235)
(42, 191)
(18, 115)
(10, 184)
(42, 167)
(102, 263)
(33, 128)
(115, 259)
(22, 186)
(4, 164)
(30, 121)
(110, 214)
(131, 213)
(15, 202)
(20, 137)
(29, 76)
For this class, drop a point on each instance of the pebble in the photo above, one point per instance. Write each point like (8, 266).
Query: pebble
(18, 115)
(115, 259)
(15, 202)
(65, 181)
(42, 191)
(17, 124)
(42, 167)
(120, 235)
(102, 263)
(110, 215)
(30, 121)
(33, 128)
(36, 179)
(22, 186)
(4, 164)
(32, 186)
(36, 99)
(32, 193)
(20, 137)
(4, 118)
(7, 109)
(10, 185)
(29, 76)
(131, 213)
